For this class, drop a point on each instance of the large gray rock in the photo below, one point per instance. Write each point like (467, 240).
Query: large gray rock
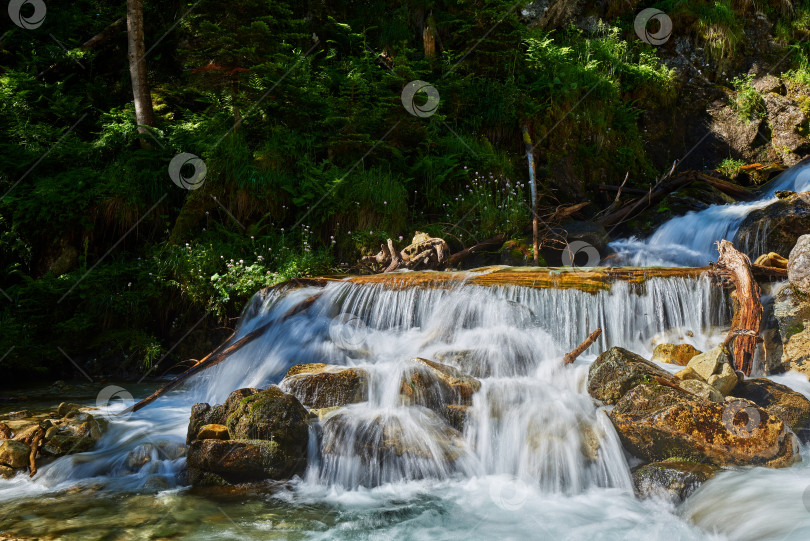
(617, 371)
(775, 228)
(799, 265)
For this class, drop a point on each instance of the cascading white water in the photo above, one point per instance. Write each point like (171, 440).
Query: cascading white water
(689, 240)
(537, 457)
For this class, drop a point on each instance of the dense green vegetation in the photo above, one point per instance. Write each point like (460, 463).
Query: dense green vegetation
(311, 158)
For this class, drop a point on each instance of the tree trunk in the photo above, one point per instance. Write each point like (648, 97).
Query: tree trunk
(144, 114)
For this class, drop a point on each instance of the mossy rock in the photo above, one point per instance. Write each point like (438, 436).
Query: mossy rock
(780, 401)
(617, 371)
(203, 414)
(214, 461)
(271, 415)
(324, 386)
(655, 423)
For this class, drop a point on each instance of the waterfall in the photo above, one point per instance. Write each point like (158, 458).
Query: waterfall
(531, 418)
(688, 240)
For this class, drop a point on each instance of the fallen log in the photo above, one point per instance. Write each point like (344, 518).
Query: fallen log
(735, 266)
(458, 257)
(762, 273)
(588, 342)
(225, 350)
(729, 188)
(662, 188)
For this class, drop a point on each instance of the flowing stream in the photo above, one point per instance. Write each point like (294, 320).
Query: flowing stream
(537, 459)
(689, 240)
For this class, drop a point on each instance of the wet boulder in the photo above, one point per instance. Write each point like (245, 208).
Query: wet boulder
(77, 432)
(656, 422)
(671, 480)
(777, 227)
(270, 415)
(617, 371)
(780, 401)
(435, 385)
(242, 461)
(203, 414)
(268, 431)
(798, 265)
(362, 448)
(679, 354)
(14, 454)
(325, 386)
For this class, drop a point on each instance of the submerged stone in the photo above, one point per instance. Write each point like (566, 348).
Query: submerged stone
(672, 480)
(435, 385)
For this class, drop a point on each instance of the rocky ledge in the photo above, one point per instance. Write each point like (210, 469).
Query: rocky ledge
(25, 437)
(686, 427)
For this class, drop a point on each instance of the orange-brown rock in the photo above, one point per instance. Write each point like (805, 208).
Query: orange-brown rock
(657, 422)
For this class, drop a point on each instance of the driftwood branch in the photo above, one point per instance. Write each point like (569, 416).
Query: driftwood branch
(458, 257)
(227, 349)
(571, 357)
(736, 267)
(32, 458)
(424, 252)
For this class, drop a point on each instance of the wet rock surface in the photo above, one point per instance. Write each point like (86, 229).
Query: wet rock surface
(657, 422)
(671, 480)
(799, 265)
(255, 435)
(663, 417)
(325, 386)
(775, 228)
(780, 401)
(618, 370)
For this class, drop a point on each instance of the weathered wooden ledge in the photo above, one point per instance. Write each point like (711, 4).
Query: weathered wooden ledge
(590, 280)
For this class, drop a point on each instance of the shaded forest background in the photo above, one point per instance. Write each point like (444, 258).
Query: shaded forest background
(312, 160)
